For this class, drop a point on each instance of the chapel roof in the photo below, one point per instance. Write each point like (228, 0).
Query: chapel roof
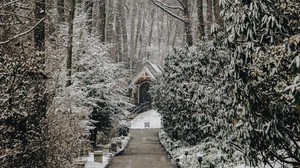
(149, 70)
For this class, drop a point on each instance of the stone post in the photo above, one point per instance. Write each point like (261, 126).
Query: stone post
(98, 156)
(107, 148)
(119, 142)
(114, 146)
(79, 164)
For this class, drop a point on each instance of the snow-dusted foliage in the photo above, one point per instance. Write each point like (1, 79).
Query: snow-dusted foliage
(264, 39)
(67, 130)
(94, 102)
(103, 83)
(190, 95)
(23, 96)
(23, 104)
(207, 153)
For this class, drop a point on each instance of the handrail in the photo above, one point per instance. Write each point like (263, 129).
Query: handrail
(141, 108)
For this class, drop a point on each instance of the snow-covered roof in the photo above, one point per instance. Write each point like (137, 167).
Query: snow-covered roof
(149, 70)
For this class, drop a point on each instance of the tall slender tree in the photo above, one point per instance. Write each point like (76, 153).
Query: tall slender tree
(217, 13)
(201, 26)
(132, 34)
(122, 13)
(102, 19)
(209, 18)
(174, 11)
(61, 10)
(70, 41)
(152, 14)
(109, 26)
(88, 8)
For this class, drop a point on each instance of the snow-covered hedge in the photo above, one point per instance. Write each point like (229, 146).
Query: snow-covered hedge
(191, 95)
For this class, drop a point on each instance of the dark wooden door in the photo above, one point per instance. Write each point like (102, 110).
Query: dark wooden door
(144, 93)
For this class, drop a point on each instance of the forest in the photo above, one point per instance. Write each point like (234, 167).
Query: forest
(230, 86)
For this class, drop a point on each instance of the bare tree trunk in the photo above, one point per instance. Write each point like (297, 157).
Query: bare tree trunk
(209, 16)
(187, 23)
(119, 33)
(169, 30)
(201, 27)
(175, 34)
(88, 9)
(141, 39)
(70, 40)
(138, 29)
(151, 26)
(109, 21)
(123, 30)
(160, 26)
(102, 19)
(38, 117)
(61, 10)
(217, 11)
(39, 30)
(132, 35)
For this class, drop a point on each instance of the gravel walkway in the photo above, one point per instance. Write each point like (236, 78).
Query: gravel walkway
(143, 151)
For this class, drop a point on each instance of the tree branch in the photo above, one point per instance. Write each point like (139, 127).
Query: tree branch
(181, 3)
(170, 7)
(9, 3)
(22, 34)
(168, 12)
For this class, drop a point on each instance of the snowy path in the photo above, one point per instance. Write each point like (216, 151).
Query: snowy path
(144, 150)
(150, 116)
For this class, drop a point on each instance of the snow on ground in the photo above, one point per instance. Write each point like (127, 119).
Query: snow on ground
(91, 164)
(107, 157)
(151, 116)
(177, 153)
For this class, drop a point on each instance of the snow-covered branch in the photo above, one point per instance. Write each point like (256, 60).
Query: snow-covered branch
(181, 3)
(23, 33)
(9, 3)
(168, 12)
(168, 6)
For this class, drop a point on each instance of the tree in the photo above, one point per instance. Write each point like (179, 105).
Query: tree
(209, 17)
(70, 40)
(132, 35)
(183, 6)
(118, 33)
(61, 10)
(217, 13)
(122, 31)
(88, 8)
(102, 19)
(109, 21)
(201, 27)
(152, 14)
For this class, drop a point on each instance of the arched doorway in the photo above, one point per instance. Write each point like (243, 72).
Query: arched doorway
(144, 95)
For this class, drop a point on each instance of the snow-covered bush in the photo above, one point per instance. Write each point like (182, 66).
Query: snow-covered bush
(23, 105)
(123, 130)
(191, 93)
(264, 39)
(23, 96)
(103, 83)
(208, 150)
(67, 129)
(94, 102)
